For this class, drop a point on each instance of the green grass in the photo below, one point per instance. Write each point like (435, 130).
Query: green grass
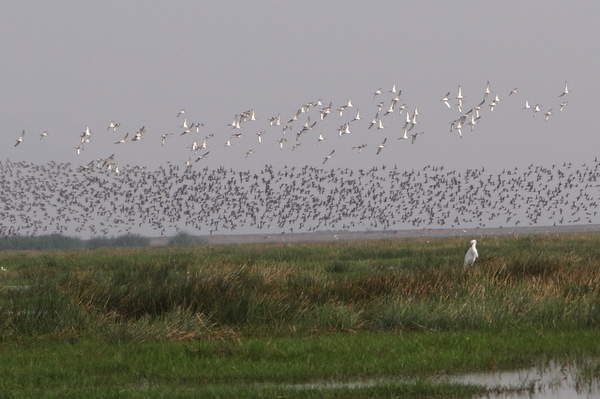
(62, 366)
(145, 321)
(143, 389)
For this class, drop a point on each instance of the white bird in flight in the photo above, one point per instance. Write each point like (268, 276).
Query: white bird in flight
(275, 120)
(113, 125)
(281, 141)
(460, 98)
(404, 136)
(86, 133)
(122, 140)
(259, 135)
(565, 90)
(20, 138)
(488, 89)
(563, 105)
(163, 138)
(381, 146)
(446, 100)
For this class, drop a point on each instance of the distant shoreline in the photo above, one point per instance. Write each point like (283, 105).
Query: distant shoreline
(324, 236)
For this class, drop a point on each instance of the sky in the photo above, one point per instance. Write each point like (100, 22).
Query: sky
(70, 64)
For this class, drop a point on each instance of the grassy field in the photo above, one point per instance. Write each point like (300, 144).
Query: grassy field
(249, 320)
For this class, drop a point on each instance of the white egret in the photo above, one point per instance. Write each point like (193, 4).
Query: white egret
(471, 255)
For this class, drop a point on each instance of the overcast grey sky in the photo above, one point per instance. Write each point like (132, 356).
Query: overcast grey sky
(67, 64)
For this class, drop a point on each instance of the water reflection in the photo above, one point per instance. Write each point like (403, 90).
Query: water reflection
(548, 381)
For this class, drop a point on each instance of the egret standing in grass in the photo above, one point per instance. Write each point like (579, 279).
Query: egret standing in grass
(471, 255)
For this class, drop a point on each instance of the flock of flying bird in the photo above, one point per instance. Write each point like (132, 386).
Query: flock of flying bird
(104, 198)
(307, 124)
(59, 198)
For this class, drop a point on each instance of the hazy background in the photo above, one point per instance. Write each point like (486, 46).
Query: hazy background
(67, 64)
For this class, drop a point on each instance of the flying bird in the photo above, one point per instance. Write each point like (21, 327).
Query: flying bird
(281, 141)
(413, 137)
(123, 139)
(380, 146)
(565, 90)
(359, 148)
(563, 105)
(488, 89)
(163, 138)
(328, 156)
(113, 125)
(202, 156)
(446, 100)
(20, 138)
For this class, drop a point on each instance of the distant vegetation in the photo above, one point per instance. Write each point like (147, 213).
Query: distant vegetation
(183, 239)
(58, 241)
(61, 242)
(128, 240)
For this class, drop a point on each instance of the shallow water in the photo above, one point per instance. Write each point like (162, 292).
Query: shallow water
(548, 381)
(552, 380)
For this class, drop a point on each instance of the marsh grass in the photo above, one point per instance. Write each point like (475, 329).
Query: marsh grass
(147, 389)
(537, 282)
(247, 366)
(172, 320)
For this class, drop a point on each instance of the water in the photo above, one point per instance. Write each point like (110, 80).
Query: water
(548, 381)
